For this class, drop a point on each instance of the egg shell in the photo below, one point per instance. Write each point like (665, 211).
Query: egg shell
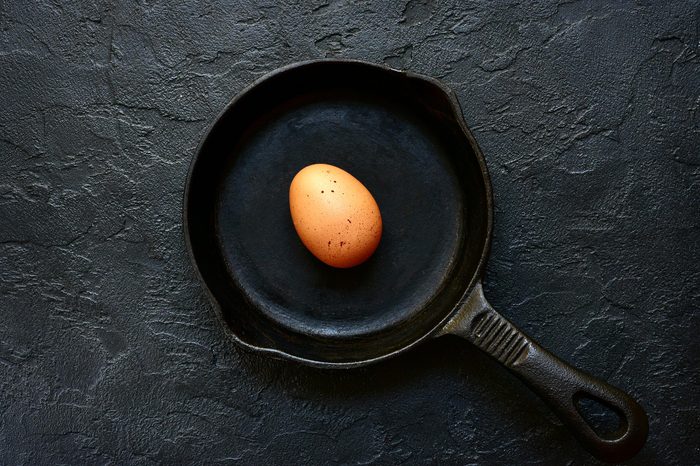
(334, 215)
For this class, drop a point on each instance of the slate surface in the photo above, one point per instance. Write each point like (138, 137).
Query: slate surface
(109, 351)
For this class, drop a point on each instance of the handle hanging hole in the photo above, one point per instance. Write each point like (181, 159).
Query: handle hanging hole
(607, 421)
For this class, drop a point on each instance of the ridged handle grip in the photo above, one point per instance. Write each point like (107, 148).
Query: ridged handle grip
(560, 385)
(498, 337)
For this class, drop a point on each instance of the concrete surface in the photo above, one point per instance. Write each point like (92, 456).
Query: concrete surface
(587, 113)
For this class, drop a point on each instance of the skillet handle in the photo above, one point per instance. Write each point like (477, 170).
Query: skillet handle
(560, 385)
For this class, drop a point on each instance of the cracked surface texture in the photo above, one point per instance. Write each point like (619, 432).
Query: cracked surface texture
(587, 113)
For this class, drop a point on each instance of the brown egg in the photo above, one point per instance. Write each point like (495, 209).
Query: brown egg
(335, 216)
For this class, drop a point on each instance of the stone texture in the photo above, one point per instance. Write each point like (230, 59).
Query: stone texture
(587, 112)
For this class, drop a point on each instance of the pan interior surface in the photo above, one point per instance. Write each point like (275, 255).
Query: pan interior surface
(404, 167)
(270, 290)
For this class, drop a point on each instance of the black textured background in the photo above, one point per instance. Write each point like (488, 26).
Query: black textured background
(109, 351)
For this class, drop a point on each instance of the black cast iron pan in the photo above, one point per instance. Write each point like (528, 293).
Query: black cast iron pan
(403, 136)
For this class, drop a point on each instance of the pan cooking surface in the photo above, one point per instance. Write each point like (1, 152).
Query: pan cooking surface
(406, 166)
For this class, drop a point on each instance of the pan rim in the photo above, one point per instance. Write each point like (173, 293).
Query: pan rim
(449, 315)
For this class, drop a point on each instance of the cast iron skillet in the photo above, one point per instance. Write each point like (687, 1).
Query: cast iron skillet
(403, 136)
